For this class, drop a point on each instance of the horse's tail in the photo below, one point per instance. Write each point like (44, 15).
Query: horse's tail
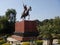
(22, 16)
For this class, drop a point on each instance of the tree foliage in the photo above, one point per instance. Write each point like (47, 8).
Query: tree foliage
(50, 28)
(11, 14)
(7, 26)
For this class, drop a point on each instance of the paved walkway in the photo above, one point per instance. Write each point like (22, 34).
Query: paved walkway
(55, 42)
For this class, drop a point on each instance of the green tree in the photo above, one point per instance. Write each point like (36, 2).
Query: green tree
(46, 32)
(57, 24)
(11, 14)
(3, 23)
(49, 29)
(7, 22)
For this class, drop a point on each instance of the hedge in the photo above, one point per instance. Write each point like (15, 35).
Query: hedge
(25, 43)
(39, 42)
(6, 44)
(59, 41)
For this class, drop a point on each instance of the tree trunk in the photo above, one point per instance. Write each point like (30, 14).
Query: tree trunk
(50, 41)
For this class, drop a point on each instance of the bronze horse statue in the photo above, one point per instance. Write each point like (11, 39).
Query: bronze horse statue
(26, 11)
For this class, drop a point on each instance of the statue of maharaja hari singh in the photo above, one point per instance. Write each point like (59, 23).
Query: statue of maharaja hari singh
(26, 12)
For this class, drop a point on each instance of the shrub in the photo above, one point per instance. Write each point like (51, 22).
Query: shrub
(1, 38)
(39, 42)
(59, 41)
(2, 41)
(6, 44)
(25, 43)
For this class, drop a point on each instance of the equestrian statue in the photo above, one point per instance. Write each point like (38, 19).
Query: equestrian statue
(26, 12)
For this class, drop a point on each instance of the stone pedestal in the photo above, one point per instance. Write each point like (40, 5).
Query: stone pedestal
(25, 30)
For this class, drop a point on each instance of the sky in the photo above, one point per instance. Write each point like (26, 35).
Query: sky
(41, 9)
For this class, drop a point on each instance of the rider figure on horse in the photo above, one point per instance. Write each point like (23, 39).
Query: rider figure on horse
(26, 11)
